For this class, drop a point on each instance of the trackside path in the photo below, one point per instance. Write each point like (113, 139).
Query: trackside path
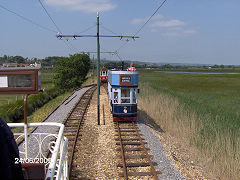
(58, 116)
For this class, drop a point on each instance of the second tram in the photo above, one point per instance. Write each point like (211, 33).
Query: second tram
(104, 75)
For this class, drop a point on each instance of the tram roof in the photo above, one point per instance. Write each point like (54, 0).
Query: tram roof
(122, 72)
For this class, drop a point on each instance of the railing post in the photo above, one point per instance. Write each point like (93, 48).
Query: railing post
(25, 126)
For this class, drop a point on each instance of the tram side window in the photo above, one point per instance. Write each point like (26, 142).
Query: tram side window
(115, 95)
(125, 95)
(134, 96)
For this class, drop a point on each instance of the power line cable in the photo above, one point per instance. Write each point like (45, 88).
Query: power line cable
(144, 23)
(88, 29)
(73, 47)
(108, 29)
(59, 30)
(150, 17)
(70, 46)
(50, 16)
(28, 20)
(115, 53)
(121, 46)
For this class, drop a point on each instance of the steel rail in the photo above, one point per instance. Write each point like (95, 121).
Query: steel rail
(91, 90)
(34, 129)
(131, 127)
(122, 153)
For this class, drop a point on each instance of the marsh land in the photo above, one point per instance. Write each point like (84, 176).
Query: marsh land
(201, 109)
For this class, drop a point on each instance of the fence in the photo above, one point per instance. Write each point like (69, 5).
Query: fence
(56, 167)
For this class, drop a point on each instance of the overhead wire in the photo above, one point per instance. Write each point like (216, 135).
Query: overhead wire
(144, 24)
(150, 17)
(50, 16)
(108, 29)
(32, 22)
(88, 28)
(114, 53)
(71, 47)
(28, 20)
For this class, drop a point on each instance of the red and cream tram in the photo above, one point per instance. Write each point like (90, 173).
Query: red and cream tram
(104, 75)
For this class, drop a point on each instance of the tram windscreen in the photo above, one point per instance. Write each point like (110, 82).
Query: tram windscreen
(125, 95)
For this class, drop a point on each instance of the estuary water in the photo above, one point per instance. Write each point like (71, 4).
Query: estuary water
(181, 72)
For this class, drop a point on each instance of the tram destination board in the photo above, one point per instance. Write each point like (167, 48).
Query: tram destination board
(125, 80)
(19, 80)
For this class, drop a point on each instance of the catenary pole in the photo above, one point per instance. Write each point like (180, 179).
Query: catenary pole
(98, 71)
(60, 36)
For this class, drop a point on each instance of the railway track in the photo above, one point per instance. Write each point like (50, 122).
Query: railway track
(135, 160)
(73, 125)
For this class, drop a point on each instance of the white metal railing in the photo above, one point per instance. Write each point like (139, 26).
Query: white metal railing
(57, 166)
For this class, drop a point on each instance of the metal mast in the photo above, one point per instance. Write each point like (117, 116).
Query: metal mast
(98, 71)
(98, 57)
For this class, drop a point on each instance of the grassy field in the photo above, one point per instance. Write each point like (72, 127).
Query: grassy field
(201, 69)
(202, 108)
(47, 82)
(42, 112)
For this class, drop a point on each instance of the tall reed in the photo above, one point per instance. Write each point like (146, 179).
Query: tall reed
(219, 147)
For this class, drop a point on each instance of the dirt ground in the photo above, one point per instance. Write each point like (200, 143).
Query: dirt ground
(97, 156)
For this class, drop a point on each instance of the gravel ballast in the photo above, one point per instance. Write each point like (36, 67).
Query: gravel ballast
(58, 116)
(98, 156)
(165, 165)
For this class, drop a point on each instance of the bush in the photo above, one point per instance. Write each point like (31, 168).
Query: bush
(15, 111)
(71, 71)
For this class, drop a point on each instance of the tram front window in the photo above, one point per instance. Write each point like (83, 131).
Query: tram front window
(125, 95)
(103, 73)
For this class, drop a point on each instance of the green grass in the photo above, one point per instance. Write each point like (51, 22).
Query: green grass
(211, 94)
(42, 112)
(215, 100)
(201, 69)
(7, 99)
(47, 82)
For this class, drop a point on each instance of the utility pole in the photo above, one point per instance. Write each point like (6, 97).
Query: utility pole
(98, 57)
(98, 71)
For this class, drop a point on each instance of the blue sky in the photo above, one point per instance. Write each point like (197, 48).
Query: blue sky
(183, 31)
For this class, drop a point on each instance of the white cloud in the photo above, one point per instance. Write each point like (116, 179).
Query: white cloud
(179, 33)
(170, 23)
(190, 31)
(88, 6)
(138, 20)
(170, 34)
(142, 20)
(170, 27)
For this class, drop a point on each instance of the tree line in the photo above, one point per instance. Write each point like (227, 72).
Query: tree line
(49, 61)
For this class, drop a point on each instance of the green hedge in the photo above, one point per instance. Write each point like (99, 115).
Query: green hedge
(14, 112)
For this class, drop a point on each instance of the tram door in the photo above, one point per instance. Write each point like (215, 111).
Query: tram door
(115, 96)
